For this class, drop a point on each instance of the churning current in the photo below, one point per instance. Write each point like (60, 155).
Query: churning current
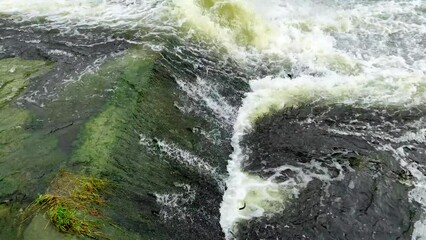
(310, 115)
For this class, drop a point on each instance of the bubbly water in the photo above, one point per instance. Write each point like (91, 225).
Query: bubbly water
(368, 54)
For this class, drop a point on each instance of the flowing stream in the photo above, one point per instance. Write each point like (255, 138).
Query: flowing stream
(221, 119)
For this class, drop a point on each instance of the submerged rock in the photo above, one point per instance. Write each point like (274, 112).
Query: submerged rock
(27, 156)
(353, 191)
(14, 73)
(110, 146)
(24, 153)
(166, 175)
(122, 116)
(39, 228)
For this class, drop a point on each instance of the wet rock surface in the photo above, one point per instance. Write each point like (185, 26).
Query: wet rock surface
(100, 98)
(370, 201)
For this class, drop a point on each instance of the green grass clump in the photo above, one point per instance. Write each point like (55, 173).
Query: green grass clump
(72, 203)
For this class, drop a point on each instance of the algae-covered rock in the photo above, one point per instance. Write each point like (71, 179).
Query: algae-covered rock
(27, 157)
(8, 230)
(91, 125)
(112, 138)
(14, 74)
(81, 98)
(39, 228)
(130, 98)
(65, 203)
(109, 146)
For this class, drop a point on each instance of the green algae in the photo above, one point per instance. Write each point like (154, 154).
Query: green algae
(39, 228)
(68, 209)
(23, 154)
(28, 157)
(101, 133)
(25, 157)
(143, 102)
(128, 96)
(83, 97)
(14, 74)
(140, 104)
(9, 223)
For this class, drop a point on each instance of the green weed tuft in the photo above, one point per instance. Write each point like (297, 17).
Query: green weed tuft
(72, 203)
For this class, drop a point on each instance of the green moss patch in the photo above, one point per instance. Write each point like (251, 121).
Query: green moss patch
(143, 102)
(28, 158)
(14, 74)
(24, 154)
(128, 96)
(102, 133)
(84, 97)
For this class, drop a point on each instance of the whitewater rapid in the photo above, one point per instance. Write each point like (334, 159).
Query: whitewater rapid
(368, 54)
(321, 47)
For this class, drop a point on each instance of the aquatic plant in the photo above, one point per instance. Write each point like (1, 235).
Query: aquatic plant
(72, 204)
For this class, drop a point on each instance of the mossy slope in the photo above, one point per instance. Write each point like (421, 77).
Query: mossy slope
(129, 96)
(109, 146)
(28, 157)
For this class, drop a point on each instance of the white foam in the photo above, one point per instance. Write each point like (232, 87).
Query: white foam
(365, 53)
(186, 158)
(61, 52)
(307, 34)
(174, 204)
(205, 92)
(419, 231)
(269, 94)
(67, 15)
(419, 136)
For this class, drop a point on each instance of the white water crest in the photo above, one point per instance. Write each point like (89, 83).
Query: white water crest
(362, 53)
(339, 52)
(202, 91)
(69, 16)
(173, 204)
(184, 157)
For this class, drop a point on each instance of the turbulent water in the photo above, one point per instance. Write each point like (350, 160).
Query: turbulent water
(320, 104)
